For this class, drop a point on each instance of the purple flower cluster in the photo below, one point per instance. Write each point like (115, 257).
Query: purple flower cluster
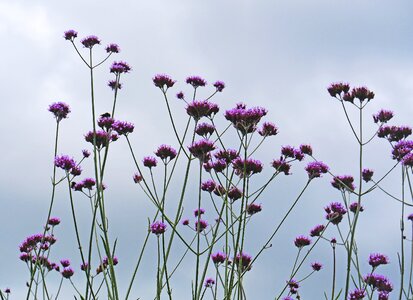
(401, 149)
(196, 81)
(219, 85)
(209, 282)
(87, 183)
(268, 129)
(166, 153)
(105, 264)
(68, 164)
(137, 177)
(149, 161)
(162, 80)
(114, 84)
(394, 133)
(200, 149)
(201, 108)
(198, 212)
(90, 41)
(377, 259)
(243, 119)
(357, 294)
(218, 258)
(112, 48)
(158, 228)
(379, 282)
(119, 67)
(367, 174)
(337, 90)
(122, 127)
(316, 266)
(102, 138)
(383, 116)
(228, 155)
(317, 230)
(35, 242)
(246, 167)
(243, 261)
(70, 35)
(60, 110)
(53, 221)
(302, 241)
(205, 130)
(105, 122)
(234, 193)
(335, 212)
(343, 182)
(315, 169)
(67, 272)
(281, 165)
(353, 207)
(253, 208)
(208, 186)
(293, 285)
(201, 225)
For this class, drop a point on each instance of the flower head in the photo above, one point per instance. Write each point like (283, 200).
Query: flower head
(90, 41)
(60, 110)
(343, 183)
(306, 149)
(198, 212)
(234, 193)
(65, 262)
(383, 116)
(113, 84)
(70, 35)
(102, 138)
(205, 130)
(367, 174)
(302, 241)
(353, 207)
(166, 153)
(86, 153)
(208, 186)
(200, 149)
(219, 85)
(149, 161)
(357, 294)
(218, 257)
(315, 169)
(335, 212)
(196, 81)
(253, 208)
(201, 108)
(137, 177)
(281, 165)
(53, 221)
(243, 261)
(228, 155)
(316, 266)
(122, 127)
(119, 67)
(268, 129)
(162, 80)
(158, 227)
(209, 282)
(245, 120)
(112, 48)
(394, 133)
(317, 230)
(64, 162)
(338, 89)
(246, 167)
(377, 259)
(67, 272)
(201, 225)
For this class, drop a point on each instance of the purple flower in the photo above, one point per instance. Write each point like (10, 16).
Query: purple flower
(201, 225)
(180, 95)
(205, 130)
(85, 153)
(65, 262)
(200, 211)
(88, 183)
(316, 266)
(367, 174)
(64, 162)
(219, 85)
(209, 282)
(201, 108)
(353, 207)
(394, 133)
(112, 48)
(158, 228)
(208, 186)
(377, 259)
(166, 153)
(281, 165)
(357, 294)
(53, 221)
(218, 257)
(268, 129)
(407, 160)
(383, 116)
(67, 272)
(105, 122)
(337, 89)
(161, 81)
(200, 149)
(123, 128)
(149, 161)
(228, 155)
(196, 81)
(410, 217)
(60, 110)
(245, 120)
(137, 178)
(243, 261)
(315, 169)
(114, 84)
(234, 193)
(379, 282)
(302, 241)
(70, 35)
(84, 266)
(343, 183)
(317, 230)
(253, 208)
(119, 67)
(306, 149)
(246, 167)
(401, 149)
(335, 212)
(383, 295)
(288, 151)
(90, 41)
(362, 93)
(7, 291)
(219, 190)
(102, 138)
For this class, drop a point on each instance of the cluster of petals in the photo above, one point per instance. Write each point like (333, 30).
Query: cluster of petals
(315, 169)
(112, 48)
(158, 227)
(354, 206)
(208, 186)
(253, 208)
(281, 165)
(123, 127)
(165, 152)
(243, 260)
(335, 212)
(103, 138)
(119, 67)
(68, 164)
(302, 241)
(338, 89)
(317, 230)
(394, 133)
(205, 130)
(316, 266)
(70, 35)
(268, 129)
(87, 183)
(201, 108)
(383, 116)
(401, 149)
(201, 225)
(228, 155)
(196, 81)
(243, 119)
(149, 161)
(200, 149)
(90, 41)
(105, 122)
(379, 282)
(60, 110)
(67, 272)
(377, 259)
(137, 177)
(247, 167)
(209, 282)
(35, 242)
(218, 257)
(219, 85)
(114, 84)
(53, 221)
(104, 264)
(357, 294)
(343, 182)
(162, 80)
(367, 174)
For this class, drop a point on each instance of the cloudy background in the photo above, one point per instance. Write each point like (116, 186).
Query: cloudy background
(277, 54)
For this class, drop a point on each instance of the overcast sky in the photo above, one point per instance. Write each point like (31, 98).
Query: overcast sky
(278, 54)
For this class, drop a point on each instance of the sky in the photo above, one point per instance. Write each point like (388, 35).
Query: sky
(278, 54)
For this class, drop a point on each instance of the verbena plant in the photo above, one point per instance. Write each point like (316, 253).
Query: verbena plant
(225, 176)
